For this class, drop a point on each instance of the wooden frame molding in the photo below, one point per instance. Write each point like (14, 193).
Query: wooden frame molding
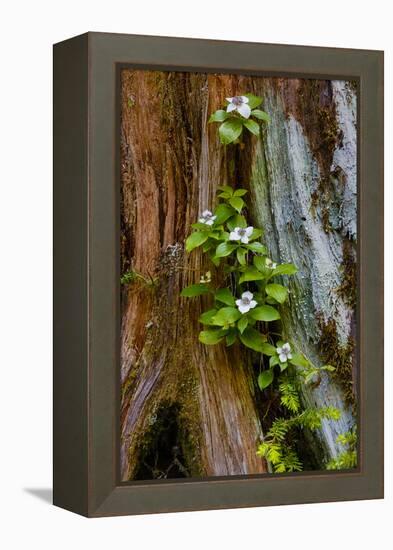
(86, 274)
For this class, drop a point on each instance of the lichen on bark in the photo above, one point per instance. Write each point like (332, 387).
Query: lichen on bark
(301, 177)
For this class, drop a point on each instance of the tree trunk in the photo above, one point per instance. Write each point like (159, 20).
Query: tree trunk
(303, 190)
(190, 409)
(187, 409)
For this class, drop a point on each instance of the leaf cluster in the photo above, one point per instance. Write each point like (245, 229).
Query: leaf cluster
(232, 124)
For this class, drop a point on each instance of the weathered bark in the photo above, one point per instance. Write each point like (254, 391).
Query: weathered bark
(303, 192)
(302, 181)
(171, 167)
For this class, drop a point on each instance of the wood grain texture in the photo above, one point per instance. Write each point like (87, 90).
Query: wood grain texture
(302, 182)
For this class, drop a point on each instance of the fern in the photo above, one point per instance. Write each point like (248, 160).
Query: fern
(276, 447)
(289, 397)
(348, 457)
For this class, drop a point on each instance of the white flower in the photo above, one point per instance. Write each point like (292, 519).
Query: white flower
(270, 264)
(206, 278)
(246, 302)
(239, 103)
(284, 353)
(207, 217)
(241, 234)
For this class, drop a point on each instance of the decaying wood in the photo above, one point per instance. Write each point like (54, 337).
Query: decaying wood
(302, 181)
(170, 171)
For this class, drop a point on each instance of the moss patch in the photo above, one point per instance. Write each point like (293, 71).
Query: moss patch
(348, 288)
(340, 357)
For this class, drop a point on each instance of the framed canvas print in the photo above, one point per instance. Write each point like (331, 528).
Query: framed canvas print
(218, 260)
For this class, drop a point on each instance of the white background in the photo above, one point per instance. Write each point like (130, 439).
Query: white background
(28, 30)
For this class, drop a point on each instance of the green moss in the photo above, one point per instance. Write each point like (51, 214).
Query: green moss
(348, 288)
(339, 356)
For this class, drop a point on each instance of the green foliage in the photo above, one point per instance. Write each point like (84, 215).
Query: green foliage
(278, 446)
(251, 298)
(348, 458)
(265, 379)
(194, 290)
(127, 278)
(278, 292)
(196, 239)
(232, 123)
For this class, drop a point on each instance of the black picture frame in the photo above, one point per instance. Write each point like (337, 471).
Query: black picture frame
(86, 274)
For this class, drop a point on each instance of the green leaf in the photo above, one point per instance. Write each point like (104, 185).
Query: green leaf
(273, 361)
(260, 264)
(194, 290)
(231, 338)
(206, 317)
(253, 100)
(259, 248)
(278, 292)
(218, 116)
(224, 249)
(265, 379)
(236, 221)
(251, 274)
(285, 269)
(242, 324)
(201, 226)
(268, 349)
(299, 360)
(216, 261)
(196, 239)
(224, 295)
(283, 366)
(237, 203)
(207, 245)
(255, 234)
(223, 212)
(230, 130)
(252, 339)
(227, 189)
(264, 313)
(226, 316)
(240, 192)
(241, 256)
(261, 115)
(211, 337)
(252, 126)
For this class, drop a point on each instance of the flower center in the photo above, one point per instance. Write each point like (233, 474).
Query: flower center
(237, 101)
(246, 301)
(242, 232)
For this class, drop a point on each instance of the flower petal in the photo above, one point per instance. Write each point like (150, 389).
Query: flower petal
(238, 302)
(248, 295)
(229, 99)
(202, 220)
(289, 355)
(244, 98)
(209, 222)
(233, 236)
(252, 304)
(244, 308)
(286, 347)
(283, 357)
(231, 107)
(279, 350)
(249, 231)
(244, 110)
(206, 213)
(244, 239)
